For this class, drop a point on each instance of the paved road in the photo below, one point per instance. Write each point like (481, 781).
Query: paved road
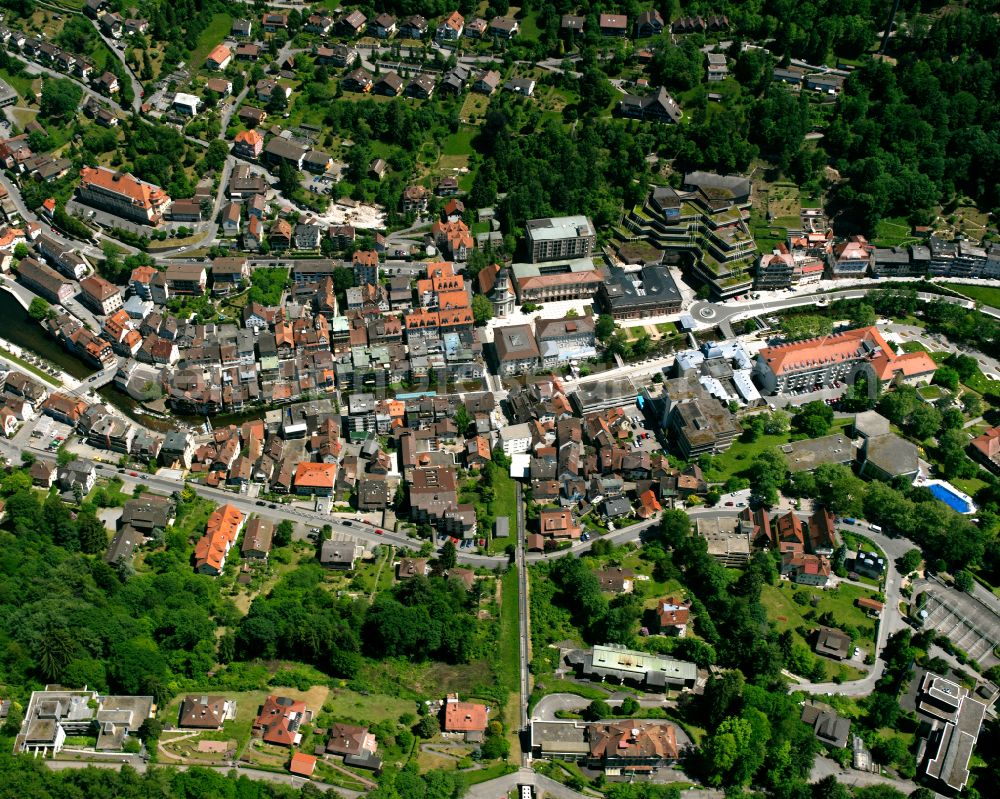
(550, 704)
(114, 45)
(707, 313)
(631, 533)
(501, 786)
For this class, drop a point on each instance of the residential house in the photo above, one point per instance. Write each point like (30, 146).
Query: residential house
(248, 144)
(523, 86)
(613, 25)
(272, 22)
(829, 728)
(77, 474)
(205, 712)
(231, 219)
(383, 26)
(413, 27)
(503, 28)
(408, 568)
(359, 80)
(247, 51)
(717, 67)
(279, 720)
(100, 296)
(832, 643)
(450, 28)
(673, 615)
(487, 82)
(220, 58)
(350, 740)
(649, 23)
(657, 107)
(340, 553)
(558, 524)
(317, 479)
(421, 87)
(469, 718)
(352, 23)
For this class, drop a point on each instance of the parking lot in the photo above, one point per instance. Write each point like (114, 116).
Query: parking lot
(965, 621)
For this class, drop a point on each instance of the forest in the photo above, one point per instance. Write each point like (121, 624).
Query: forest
(71, 618)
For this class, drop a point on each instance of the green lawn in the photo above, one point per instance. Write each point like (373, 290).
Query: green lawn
(970, 485)
(351, 706)
(893, 233)
(460, 142)
(931, 393)
(214, 33)
(19, 83)
(913, 346)
(735, 460)
(787, 614)
(510, 651)
(987, 295)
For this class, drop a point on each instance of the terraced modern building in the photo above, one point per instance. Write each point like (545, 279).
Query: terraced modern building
(704, 225)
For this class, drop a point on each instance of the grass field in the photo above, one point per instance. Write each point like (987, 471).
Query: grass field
(214, 33)
(987, 295)
(510, 651)
(739, 456)
(893, 233)
(460, 142)
(19, 83)
(509, 665)
(914, 346)
(349, 705)
(787, 614)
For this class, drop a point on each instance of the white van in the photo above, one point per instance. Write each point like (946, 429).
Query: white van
(875, 527)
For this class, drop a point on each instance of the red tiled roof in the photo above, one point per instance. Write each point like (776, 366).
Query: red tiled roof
(141, 194)
(302, 764)
(279, 720)
(315, 475)
(464, 716)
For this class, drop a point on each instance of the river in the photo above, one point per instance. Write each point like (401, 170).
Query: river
(19, 328)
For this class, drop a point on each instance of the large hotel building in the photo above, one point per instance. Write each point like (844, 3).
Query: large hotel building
(123, 195)
(821, 361)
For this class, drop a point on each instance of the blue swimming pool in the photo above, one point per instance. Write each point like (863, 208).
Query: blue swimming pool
(949, 498)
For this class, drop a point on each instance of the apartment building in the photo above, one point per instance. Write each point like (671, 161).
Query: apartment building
(850, 258)
(44, 281)
(560, 238)
(100, 296)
